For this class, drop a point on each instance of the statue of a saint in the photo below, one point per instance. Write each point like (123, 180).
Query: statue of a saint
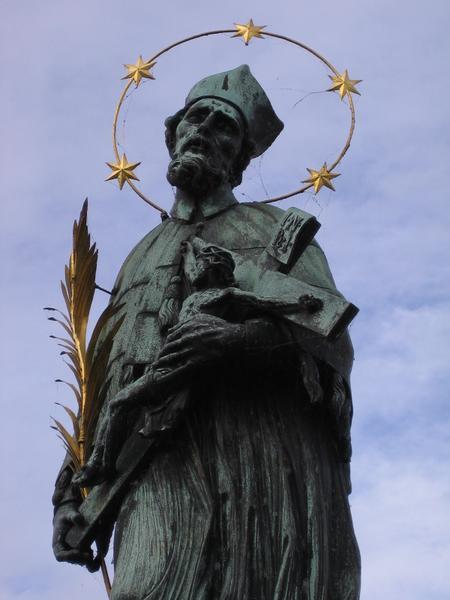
(245, 496)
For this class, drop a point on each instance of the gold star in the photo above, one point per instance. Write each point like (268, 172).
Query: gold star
(248, 31)
(343, 84)
(321, 178)
(140, 70)
(122, 171)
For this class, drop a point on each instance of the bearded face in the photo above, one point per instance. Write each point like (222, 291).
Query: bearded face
(208, 139)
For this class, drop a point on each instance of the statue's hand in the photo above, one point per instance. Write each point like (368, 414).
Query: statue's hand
(66, 516)
(202, 340)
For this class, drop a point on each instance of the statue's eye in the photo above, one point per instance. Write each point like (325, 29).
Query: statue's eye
(227, 126)
(196, 116)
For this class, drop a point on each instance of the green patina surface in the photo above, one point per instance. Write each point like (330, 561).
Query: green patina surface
(247, 496)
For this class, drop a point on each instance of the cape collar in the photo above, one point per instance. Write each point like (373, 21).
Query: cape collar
(188, 209)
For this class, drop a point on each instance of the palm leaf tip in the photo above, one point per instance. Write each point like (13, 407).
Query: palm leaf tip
(69, 441)
(73, 418)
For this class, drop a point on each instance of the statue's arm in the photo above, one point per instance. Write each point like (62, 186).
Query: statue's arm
(278, 346)
(205, 341)
(323, 364)
(334, 358)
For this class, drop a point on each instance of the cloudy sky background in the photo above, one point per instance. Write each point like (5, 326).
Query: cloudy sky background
(385, 231)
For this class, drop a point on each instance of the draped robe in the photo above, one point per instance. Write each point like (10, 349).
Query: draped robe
(249, 499)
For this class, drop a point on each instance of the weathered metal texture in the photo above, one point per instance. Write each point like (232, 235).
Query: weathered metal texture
(250, 500)
(270, 290)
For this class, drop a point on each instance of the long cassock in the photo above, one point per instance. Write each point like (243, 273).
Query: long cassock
(249, 499)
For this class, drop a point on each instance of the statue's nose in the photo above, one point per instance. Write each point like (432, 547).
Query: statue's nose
(205, 126)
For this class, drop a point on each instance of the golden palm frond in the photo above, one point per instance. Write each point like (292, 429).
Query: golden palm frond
(78, 292)
(88, 362)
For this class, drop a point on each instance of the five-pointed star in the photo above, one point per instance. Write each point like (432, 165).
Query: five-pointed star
(248, 31)
(321, 178)
(140, 70)
(122, 171)
(343, 84)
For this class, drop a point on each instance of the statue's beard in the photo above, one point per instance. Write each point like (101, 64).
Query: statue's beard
(196, 172)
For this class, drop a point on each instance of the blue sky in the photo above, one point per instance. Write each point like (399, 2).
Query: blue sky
(386, 233)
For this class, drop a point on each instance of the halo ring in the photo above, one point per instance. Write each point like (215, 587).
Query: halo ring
(233, 31)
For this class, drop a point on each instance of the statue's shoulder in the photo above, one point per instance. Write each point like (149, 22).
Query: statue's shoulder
(266, 213)
(267, 216)
(129, 269)
(312, 266)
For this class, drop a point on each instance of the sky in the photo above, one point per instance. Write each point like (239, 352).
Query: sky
(385, 231)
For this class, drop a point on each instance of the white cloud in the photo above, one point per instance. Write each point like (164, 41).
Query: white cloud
(401, 365)
(402, 519)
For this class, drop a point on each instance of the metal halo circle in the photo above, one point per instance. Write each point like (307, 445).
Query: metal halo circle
(233, 31)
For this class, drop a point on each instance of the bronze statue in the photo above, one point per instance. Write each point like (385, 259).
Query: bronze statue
(233, 363)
